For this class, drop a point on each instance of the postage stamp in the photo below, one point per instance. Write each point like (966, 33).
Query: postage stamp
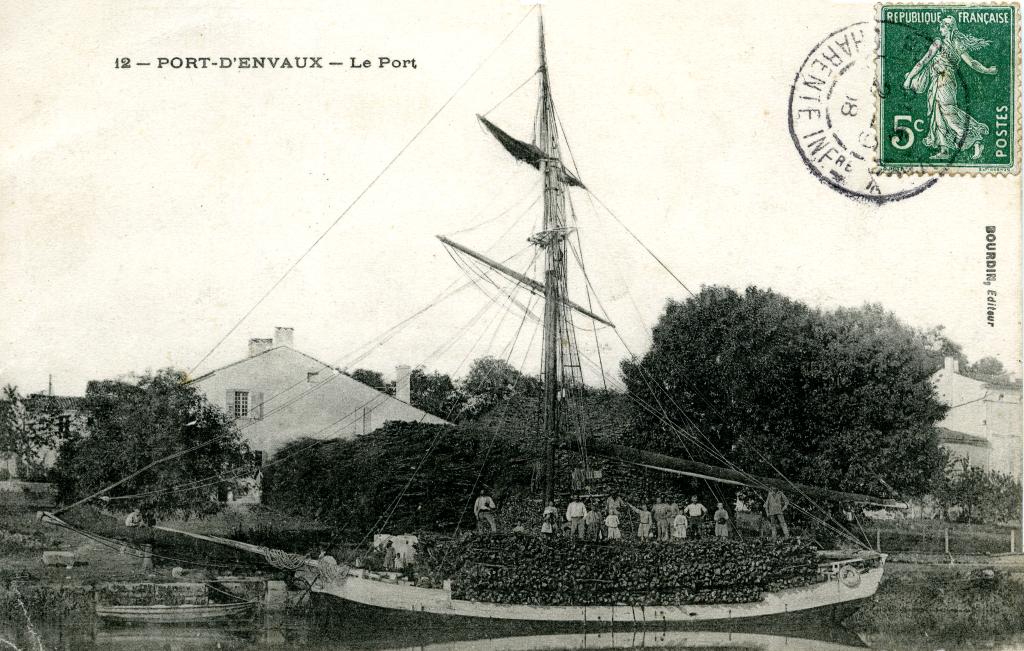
(948, 90)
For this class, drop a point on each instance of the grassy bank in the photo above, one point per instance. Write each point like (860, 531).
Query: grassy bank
(915, 609)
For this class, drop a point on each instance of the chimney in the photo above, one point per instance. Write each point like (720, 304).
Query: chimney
(952, 364)
(284, 337)
(259, 346)
(403, 383)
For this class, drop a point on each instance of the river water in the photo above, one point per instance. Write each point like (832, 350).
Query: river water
(327, 627)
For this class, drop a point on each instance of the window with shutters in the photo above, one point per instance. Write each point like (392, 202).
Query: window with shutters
(241, 404)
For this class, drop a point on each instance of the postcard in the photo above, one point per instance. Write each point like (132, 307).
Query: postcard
(511, 325)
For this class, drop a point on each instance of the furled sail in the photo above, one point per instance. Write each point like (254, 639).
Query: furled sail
(524, 151)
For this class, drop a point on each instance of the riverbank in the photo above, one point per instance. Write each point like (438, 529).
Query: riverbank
(918, 604)
(976, 595)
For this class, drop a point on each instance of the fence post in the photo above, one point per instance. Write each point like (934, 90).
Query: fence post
(878, 540)
(946, 536)
(1013, 541)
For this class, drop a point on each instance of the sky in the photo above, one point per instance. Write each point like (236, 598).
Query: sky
(144, 211)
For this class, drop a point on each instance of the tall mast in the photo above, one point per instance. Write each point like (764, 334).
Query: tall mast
(552, 239)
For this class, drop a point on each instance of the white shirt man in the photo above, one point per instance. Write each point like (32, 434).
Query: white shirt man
(695, 512)
(575, 513)
(483, 508)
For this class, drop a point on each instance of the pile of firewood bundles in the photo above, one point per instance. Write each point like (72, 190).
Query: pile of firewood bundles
(530, 569)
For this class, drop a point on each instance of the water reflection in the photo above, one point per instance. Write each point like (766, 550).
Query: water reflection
(319, 629)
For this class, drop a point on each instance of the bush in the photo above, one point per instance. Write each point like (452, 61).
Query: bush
(525, 569)
(5, 474)
(401, 477)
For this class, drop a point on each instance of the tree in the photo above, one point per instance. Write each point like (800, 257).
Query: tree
(839, 399)
(136, 423)
(491, 380)
(939, 347)
(436, 394)
(374, 379)
(400, 477)
(24, 437)
(988, 369)
(974, 495)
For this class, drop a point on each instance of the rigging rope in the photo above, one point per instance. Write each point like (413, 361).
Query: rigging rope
(591, 194)
(276, 409)
(379, 398)
(363, 192)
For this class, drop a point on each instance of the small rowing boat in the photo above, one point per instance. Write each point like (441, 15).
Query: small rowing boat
(184, 613)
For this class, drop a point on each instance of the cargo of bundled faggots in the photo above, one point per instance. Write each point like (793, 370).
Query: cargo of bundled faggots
(525, 569)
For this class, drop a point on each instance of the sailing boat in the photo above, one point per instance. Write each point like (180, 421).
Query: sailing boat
(843, 577)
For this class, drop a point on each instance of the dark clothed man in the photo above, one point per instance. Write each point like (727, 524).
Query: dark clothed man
(593, 523)
(774, 506)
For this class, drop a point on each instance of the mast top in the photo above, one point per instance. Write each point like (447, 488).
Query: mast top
(543, 56)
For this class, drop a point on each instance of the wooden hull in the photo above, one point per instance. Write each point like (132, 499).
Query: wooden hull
(357, 586)
(172, 614)
(660, 639)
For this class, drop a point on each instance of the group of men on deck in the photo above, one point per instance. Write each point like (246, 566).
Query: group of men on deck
(664, 521)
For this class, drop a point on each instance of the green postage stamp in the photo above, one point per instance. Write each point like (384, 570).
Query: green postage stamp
(948, 88)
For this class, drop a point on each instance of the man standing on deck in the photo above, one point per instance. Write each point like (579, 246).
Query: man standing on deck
(574, 514)
(695, 512)
(483, 508)
(614, 504)
(593, 522)
(663, 515)
(774, 505)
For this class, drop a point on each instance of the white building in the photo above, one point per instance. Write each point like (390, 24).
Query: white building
(278, 394)
(984, 420)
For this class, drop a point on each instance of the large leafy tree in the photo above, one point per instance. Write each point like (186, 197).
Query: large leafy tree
(988, 369)
(436, 394)
(133, 423)
(490, 381)
(840, 399)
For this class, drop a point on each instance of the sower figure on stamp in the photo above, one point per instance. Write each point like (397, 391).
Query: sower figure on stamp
(949, 126)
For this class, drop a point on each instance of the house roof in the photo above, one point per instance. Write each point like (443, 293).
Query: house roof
(39, 401)
(323, 365)
(952, 436)
(251, 357)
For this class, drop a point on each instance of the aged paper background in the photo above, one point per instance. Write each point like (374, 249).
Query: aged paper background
(145, 210)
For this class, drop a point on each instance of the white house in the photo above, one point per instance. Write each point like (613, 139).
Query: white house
(984, 420)
(278, 394)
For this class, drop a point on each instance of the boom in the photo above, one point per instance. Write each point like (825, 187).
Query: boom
(529, 283)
